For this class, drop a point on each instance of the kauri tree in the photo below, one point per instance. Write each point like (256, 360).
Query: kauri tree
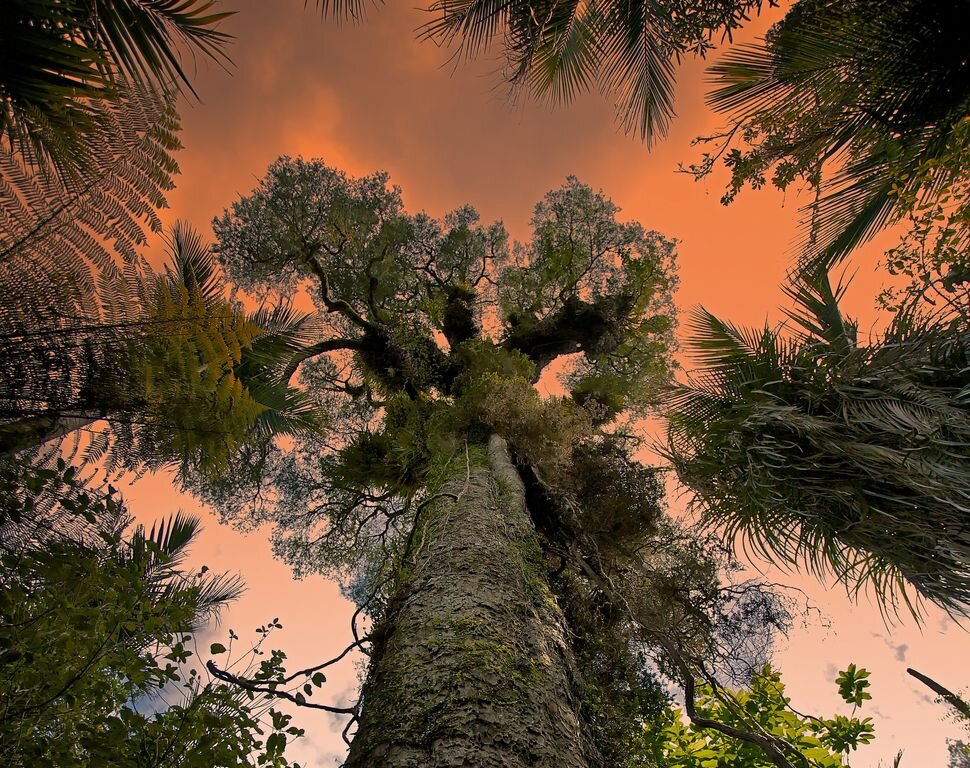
(521, 580)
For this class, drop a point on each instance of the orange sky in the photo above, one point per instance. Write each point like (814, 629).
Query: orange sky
(371, 97)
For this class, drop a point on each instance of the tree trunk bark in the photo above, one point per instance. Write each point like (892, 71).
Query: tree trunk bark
(34, 431)
(471, 666)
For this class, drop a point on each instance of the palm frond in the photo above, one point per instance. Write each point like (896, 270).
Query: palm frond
(164, 546)
(160, 553)
(563, 64)
(352, 10)
(287, 411)
(718, 345)
(193, 264)
(847, 460)
(174, 535)
(639, 67)
(560, 48)
(215, 590)
(141, 37)
(816, 313)
(473, 24)
(65, 63)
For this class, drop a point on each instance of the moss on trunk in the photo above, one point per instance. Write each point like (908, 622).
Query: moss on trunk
(472, 667)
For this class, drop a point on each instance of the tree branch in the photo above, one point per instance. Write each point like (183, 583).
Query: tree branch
(771, 746)
(250, 685)
(336, 305)
(310, 670)
(947, 695)
(577, 326)
(767, 744)
(320, 348)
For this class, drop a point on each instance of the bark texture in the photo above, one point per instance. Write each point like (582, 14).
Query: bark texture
(34, 431)
(473, 667)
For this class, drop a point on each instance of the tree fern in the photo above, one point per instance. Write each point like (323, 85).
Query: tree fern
(57, 237)
(181, 375)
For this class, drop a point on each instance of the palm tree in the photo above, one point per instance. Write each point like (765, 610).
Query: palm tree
(880, 92)
(60, 60)
(816, 450)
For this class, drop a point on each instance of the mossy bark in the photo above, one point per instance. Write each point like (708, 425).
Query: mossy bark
(472, 666)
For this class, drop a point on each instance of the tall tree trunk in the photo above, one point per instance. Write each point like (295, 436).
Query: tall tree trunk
(34, 431)
(472, 666)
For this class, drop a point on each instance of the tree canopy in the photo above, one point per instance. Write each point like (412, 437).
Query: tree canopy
(876, 93)
(416, 312)
(819, 742)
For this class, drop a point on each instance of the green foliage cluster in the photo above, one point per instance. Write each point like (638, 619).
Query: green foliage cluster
(542, 431)
(96, 619)
(581, 252)
(619, 499)
(433, 331)
(179, 383)
(877, 91)
(397, 457)
(932, 255)
(304, 209)
(96, 627)
(819, 742)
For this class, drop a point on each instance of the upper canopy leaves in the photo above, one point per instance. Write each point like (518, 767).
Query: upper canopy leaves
(430, 323)
(878, 90)
(584, 283)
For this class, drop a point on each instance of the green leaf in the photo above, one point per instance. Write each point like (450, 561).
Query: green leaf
(852, 684)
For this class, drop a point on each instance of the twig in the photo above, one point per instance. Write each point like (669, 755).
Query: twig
(250, 685)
